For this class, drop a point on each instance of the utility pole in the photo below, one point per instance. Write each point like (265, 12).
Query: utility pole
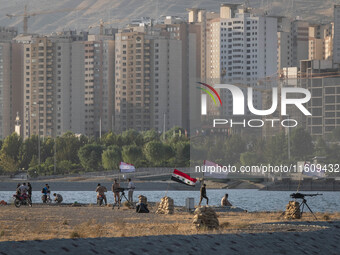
(55, 155)
(39, 133)
(288, 141)
(164, 126)
(100, 127)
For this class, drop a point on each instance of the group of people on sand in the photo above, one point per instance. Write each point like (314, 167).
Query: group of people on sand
(26, 191)
(46, 197)
(116, 189)
(203, 192)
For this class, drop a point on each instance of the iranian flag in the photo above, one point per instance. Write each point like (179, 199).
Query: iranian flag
(183, 178)
(126, 167)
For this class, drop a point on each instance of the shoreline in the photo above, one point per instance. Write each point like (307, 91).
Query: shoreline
(161, 184)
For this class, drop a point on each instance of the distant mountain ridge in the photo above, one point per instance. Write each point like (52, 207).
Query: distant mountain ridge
(312, 10)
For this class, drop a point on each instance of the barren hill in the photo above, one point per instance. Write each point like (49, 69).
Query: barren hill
(313, 10)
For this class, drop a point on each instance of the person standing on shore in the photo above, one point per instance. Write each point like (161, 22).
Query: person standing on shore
(203, 194)
(46, 194)
(101, 193)
(29, 190)
(115, 190)
(17, 190)
(23, 189)
(131, 187)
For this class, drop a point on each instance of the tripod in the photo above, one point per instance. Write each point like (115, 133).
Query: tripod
(120, 200)
(303, 204)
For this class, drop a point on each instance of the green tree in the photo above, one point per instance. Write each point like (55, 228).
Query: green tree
(157, 152)
(276, 151)
(216, 150)
(234, 146)
(334, 154)
(321, 148)
(109, 139)
(132, 154)
(182, 153)
(132, 137)
(9, 154)
(174, 135)
(67, 147)
(64, 166)
(111, 157)
(28, 149)
(336, 134)
(150, 135)
(301, 144)
(46, 149)
(250, 158)
(90, 157)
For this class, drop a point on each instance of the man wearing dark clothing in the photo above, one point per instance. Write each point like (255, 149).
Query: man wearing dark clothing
(29, 190)
(203, 194)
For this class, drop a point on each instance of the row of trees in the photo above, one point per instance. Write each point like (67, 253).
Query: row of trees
(248, 150)
(70, 154)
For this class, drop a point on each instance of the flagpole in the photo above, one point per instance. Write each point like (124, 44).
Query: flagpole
(166, 192)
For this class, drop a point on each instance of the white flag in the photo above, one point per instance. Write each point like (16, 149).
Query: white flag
(214, 170)
(126, 167)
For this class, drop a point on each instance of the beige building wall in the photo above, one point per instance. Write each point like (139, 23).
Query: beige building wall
(320, 42)
(5, 89)
(315, 48)
(285, 55)
(132, 81)
(17, 98)
(89, 87)
(336, 35)
(69, 68)
(38, 86)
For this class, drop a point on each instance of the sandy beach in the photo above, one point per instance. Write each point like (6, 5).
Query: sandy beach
(67, 225)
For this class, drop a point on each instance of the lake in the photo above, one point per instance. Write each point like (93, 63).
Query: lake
(248, 199)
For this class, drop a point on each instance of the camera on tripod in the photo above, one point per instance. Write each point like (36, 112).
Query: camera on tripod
(302, 196)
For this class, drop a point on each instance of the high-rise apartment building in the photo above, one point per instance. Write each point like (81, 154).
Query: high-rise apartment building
(10, 82)
(69, 90)
(133, 81)
(241, 48)
(336, 35)
(321, 78)
(38, 86)
(320, 41)
(292, 42)
(68, 84)
(7, 33)
(150, 85)
(102, 90)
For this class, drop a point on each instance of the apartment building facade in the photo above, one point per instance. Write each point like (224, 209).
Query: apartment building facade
(293, 42)
(156, 71)
(38, 83)
(242, 50)
(336, 35)
(320, 41)
(322, 80)
(10, 83)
